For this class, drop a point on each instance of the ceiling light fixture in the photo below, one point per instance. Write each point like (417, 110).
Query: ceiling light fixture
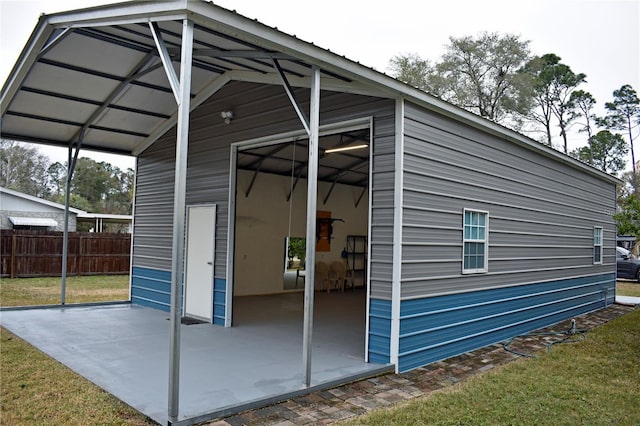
(346, 148)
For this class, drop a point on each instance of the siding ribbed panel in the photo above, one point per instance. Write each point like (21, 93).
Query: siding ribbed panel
(151, 288)
(379, 331)
(435, 328)
(219, 298)
(382, 196)
(541, 211)
(259, 110)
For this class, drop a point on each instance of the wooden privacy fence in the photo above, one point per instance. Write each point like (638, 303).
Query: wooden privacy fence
(39, 253)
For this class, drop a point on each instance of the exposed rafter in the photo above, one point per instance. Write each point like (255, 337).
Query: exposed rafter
(114, 94)
(258, 164)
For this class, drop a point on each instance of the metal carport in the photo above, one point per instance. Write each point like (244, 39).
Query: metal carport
(116, 78)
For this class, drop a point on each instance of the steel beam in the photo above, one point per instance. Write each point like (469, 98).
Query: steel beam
(56, 39)
(179, 203)
(166, 60)
(312, 197)
(287, 88)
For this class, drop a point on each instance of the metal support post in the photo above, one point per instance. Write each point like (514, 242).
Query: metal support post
(312, 197)
(179, 197)
(71, 165)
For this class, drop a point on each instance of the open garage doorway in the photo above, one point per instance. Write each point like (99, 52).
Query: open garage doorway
(269, 197)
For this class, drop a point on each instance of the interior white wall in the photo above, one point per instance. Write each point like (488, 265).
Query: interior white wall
(262, 224)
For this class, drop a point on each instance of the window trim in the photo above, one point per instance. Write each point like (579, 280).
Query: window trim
(599, 247)
(485, 241)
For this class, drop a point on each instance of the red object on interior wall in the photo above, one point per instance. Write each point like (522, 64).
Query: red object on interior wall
(323, 230)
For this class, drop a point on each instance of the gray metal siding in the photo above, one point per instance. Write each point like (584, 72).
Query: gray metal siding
(382, 198)
(541, 212)
(259, 110)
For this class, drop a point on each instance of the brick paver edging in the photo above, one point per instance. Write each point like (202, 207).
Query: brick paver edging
(359, 397)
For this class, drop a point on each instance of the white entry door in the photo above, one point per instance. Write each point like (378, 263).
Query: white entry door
(199, 261)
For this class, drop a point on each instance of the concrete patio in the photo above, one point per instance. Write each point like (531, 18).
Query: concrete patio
(124, 349)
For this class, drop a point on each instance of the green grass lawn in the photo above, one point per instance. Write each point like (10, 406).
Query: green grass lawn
(37, 390)
(628, 288)
(594, 382)
(46, 291)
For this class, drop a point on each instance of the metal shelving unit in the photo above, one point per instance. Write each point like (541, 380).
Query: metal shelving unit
(357, 258)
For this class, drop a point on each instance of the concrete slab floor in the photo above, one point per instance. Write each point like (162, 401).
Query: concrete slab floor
(124, 349)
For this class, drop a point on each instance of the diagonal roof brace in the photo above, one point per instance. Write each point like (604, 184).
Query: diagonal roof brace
(166, 60)
(287, 88)
(258, 165)
(54, 41)
(364, 190)
(300, 168)
(340, 173)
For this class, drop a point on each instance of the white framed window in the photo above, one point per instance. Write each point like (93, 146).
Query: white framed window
(597, 245)
(475, 242)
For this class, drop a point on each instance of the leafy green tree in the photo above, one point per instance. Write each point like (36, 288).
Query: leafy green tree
(606, 152)
(624, 114)
(535, 81)
(57, 179)
(628, 217)
(627, 188)
(91, 180)
(478, 73)
(23, 169)
(298, 248)
(551, 84)
(96, 187)
(565, 82)
(475, 73)
(583, 103)
(105, 187)
(413, 70)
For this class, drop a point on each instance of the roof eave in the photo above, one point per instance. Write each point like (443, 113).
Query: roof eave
(39, 200)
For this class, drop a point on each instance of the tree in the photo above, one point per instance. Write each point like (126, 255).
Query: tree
(584, 103)
(23, 169)
(552, 83)
(57, 179)
(628, 185)
(606, 151)
(533, 78)
(97, 187)
(628, 217)
(413, 70)
(105, 187)
(563, 84)
(624, 114)
(478, 74)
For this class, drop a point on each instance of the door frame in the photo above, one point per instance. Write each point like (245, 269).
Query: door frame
(324, 130)
(186, 254)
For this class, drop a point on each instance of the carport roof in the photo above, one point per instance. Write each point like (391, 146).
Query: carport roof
(98, 70)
